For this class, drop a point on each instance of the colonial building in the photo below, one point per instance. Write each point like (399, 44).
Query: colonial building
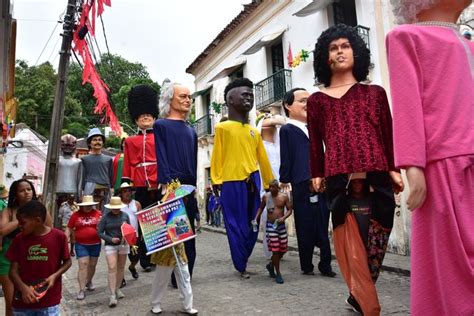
(261, 42)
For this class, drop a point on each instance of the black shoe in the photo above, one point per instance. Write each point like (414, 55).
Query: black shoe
(351, 301)
(271, 270)
(124, 283)
(330, 273)
(134, 272)
(308, 272)
(147, 269)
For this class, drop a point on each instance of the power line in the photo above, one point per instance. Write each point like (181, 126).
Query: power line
(54, 49)
(106, 42)
(50, 36)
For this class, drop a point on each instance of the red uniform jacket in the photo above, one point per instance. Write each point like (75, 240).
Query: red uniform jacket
(139, 162)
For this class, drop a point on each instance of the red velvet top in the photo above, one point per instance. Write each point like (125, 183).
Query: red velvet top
(356, 131)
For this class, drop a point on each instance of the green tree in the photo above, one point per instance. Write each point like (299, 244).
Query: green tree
(35, 88)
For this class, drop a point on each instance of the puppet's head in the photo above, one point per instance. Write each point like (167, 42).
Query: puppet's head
(143, 106)
(322, 64)
(406, 11)
(175, 98)
(95, 139)
(68, 144)
(238, 95)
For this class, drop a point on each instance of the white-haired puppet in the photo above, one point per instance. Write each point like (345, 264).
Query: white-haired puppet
(176, 153)
(432, 85)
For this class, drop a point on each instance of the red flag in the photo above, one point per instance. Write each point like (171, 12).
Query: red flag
(290, 56)
(90, 73)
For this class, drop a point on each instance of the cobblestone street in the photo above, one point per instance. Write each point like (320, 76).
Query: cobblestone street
(218, 290)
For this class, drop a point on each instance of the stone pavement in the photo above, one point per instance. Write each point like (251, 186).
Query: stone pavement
(392, 262)
(218, 290)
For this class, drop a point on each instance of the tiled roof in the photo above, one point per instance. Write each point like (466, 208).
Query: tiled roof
(248, 9)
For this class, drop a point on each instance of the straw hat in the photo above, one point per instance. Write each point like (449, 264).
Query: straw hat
(3, 192)
(126, 185)
(115, 203)
(87, 200)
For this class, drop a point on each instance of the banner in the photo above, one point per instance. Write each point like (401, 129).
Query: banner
(165, 225)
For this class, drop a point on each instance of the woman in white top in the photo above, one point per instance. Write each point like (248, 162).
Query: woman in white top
(132, 208)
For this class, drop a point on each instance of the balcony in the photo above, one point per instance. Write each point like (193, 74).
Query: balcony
(272, 89)
(364, 33)
(204, 126)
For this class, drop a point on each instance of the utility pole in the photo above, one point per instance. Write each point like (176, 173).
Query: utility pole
(57, 118)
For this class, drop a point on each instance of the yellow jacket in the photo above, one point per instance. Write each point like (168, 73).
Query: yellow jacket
(238, 151)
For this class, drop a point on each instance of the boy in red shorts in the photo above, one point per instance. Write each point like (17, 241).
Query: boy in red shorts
(277, 237)
(38, 254)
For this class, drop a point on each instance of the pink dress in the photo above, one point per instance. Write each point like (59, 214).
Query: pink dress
(432, 85)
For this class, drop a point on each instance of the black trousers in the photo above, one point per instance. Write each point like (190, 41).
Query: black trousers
(146, 198)
(311, 221)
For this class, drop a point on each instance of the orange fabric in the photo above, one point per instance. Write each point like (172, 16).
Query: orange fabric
(352, 259)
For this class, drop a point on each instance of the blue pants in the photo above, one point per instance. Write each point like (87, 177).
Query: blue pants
(240, 201)
(311, 221)
(46, 311)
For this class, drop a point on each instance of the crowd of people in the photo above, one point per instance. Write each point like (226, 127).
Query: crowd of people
(335, 154)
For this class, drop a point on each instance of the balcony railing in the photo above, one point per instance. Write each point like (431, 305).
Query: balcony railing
(364, 33)
(204, 126)
(273, 88)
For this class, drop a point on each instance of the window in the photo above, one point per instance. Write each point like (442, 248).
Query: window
(277, 57)
(238, 73)
(343, 11)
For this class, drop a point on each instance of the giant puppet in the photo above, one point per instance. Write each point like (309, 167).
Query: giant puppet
(139, 162)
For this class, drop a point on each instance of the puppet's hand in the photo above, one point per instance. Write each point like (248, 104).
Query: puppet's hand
(417, 184)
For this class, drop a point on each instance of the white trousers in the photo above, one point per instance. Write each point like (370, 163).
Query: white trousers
(161, 280)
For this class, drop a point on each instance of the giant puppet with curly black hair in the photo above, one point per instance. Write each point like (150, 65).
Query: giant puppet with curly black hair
(431, 70)
(352, 122)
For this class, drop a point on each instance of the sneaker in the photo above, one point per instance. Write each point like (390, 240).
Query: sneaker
(81, 295)
(330, 274)
(271, 270)
(156, 309)
(123, 284)
(119, 294)
(112, 301)
(90, 286)
(351, 301)
(147, 269)
(191, 311)
(134, 272)
(279, 279)
(245, 275)
(308, 272)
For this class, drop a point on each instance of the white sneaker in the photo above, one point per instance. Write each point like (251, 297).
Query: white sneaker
(119, 294)
(191, 311)
(156, 309)
(90, 286)
(112, 301)
(81, 295)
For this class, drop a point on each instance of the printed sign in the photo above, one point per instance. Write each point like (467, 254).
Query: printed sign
(165, 225)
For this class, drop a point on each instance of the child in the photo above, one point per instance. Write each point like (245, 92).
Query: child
(65, 211)
(277, 238)
(38, 252)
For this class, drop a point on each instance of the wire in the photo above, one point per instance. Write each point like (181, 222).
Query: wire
(54, 49)
(106, 42)
(50, 36)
